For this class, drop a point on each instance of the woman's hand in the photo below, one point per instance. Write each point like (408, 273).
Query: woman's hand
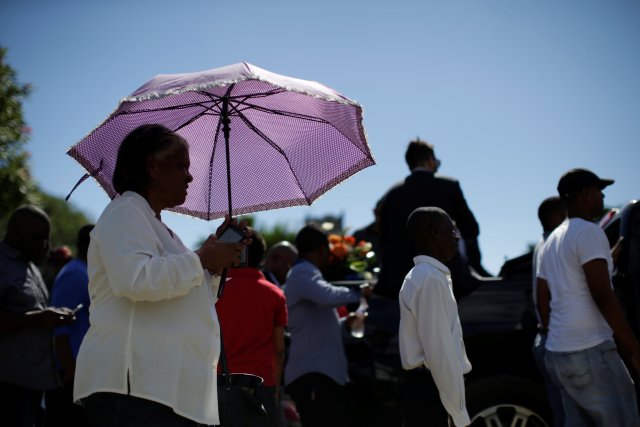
(216, 256)
(248, 231)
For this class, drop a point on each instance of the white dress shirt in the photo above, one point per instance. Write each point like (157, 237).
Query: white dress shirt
(154, 332)
(431, 335)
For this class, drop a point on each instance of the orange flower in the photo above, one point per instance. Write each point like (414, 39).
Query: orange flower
(339, 250)
(335, 238)
(350, 240)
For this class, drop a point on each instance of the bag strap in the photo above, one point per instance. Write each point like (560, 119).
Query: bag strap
(223, 354)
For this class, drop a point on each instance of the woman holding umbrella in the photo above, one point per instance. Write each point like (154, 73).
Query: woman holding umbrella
(150, 355)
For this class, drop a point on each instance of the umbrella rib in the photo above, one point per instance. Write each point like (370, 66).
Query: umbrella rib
(282, 113)
(303, 117)
(216, 100)
(277, 148)
(168, 108)
(206, 111)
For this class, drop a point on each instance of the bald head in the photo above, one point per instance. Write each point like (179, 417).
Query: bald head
(280, 258)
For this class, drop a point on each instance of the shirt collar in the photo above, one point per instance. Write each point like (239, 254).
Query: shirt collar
(139, 201)
(425, 259)
(420, 169)
(246, 273)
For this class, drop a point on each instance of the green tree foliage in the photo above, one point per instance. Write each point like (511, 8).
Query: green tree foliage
(277, 233)
(17, 187)
(66, 220)
(273, 235)
(15, 180)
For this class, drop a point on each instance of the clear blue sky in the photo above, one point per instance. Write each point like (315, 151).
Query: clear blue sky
(512, 93)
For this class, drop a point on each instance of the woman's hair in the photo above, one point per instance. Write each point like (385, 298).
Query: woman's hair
(309, 239)
(130, 173)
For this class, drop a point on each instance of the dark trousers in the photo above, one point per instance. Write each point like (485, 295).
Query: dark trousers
(320, 401)
(20, 407)
(420, 400)
(61, 411)
(267, 395)
(121, 410)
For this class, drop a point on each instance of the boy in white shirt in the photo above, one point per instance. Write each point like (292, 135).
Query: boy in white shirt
(431, 346)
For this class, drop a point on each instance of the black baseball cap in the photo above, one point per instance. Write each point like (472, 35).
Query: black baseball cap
(577, 179)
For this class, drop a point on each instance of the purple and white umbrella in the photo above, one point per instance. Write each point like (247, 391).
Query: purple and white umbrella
(258, 140)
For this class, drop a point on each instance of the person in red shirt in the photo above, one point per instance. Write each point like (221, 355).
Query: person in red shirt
(253, 316)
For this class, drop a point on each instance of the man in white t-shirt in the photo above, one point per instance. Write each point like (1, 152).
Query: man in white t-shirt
(577, 305)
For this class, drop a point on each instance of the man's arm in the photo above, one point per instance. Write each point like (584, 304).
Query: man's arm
(323, 293)
(597, 275)
(543, 296)
(47, 318)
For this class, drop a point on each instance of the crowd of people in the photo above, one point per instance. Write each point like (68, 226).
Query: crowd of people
(129, 332)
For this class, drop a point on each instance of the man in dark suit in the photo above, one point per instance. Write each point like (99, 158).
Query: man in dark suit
(422, 188)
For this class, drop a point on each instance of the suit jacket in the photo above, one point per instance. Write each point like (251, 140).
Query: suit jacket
(420, 189)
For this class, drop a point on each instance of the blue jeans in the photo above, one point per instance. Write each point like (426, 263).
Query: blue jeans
(122, 410)
(553, 392)
(595, 386)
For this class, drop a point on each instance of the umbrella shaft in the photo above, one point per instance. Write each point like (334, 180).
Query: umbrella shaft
(226, 130)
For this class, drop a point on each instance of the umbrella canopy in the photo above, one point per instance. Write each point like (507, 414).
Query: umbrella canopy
(258, 140)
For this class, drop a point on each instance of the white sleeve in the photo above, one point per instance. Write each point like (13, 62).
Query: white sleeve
(435, 320)
(134, 262)
(592, 244)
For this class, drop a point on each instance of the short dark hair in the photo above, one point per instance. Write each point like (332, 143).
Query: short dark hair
(418, 151)
(424, 219)
(23, 213)
(256, 250)
(130, 173)
(550, 207)
(309, 239)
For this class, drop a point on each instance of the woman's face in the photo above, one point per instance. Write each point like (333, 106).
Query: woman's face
(169, 173)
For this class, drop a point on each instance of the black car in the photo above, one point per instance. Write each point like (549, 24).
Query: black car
(504, 387)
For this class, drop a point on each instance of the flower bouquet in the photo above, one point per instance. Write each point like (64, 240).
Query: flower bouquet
(349, 259)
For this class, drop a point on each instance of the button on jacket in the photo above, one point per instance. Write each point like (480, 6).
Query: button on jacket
(154, 333)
